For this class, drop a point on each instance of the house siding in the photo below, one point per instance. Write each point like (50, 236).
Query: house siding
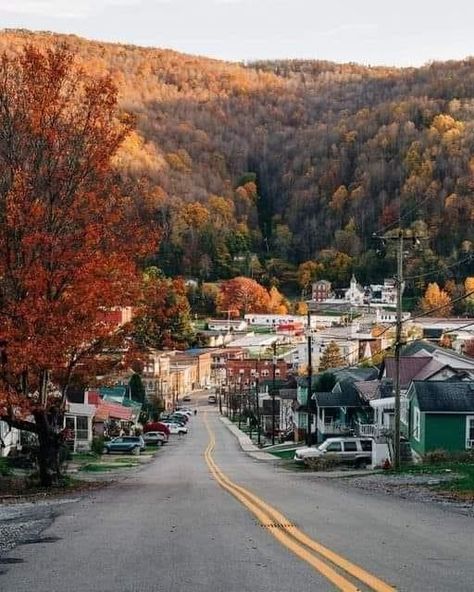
(447, 432)
(417, 445)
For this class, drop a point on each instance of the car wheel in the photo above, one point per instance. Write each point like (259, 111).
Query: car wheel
(361, 464)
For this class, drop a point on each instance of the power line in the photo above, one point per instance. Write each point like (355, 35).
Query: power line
(439, 271)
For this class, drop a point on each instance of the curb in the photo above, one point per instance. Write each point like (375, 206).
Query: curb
(247, 445)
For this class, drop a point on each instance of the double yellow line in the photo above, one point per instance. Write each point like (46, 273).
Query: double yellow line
(294, 539)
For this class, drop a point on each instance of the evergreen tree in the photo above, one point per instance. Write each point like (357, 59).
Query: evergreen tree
(331, 358)
(137, 390)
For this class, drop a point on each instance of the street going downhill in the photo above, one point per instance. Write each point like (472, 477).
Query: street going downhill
(205, 516)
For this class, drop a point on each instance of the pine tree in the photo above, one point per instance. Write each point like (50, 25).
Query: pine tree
(331, 358)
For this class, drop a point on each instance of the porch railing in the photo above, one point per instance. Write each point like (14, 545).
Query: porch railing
(333, 427)
(367, 429)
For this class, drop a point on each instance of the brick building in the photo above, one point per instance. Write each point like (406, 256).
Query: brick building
(246, 371)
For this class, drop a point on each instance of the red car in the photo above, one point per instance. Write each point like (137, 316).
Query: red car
(156, 426)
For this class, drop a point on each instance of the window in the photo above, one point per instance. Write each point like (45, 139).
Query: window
(470, 431)
(334, 447)
(416, 423)
(350, 446)
(366, 445)
(82, 428)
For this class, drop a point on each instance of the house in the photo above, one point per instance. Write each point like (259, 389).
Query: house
(78, 419)
(219, 359)
(335, 409)
(285, 399)
(236, 325)
(420, 361)
(246, 371)
(321, 291)
(200, 359)
(441, 416)
(9, 439)
(111, 417)
(156, 375)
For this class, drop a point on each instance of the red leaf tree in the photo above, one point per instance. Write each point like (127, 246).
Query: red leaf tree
(242, 295)
(68, 240)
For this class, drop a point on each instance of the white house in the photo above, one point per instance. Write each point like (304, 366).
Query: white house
(227, 325)
(78, 420)
(10, 439)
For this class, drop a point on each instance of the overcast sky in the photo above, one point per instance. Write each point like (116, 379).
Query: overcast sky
(403, 32)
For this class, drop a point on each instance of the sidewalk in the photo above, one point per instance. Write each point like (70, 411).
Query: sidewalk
(258, 454)
(247, 445)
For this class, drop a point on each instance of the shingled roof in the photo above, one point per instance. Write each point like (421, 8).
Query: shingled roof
(443, 396)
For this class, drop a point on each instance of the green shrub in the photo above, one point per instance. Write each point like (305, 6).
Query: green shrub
(97, 446)
(5, 468)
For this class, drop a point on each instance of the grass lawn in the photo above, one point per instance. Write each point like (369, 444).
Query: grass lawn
(112, 465)
(463, 476)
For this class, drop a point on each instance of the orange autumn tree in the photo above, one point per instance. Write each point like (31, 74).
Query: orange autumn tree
(436, 300)
(241, 295)
(68, 240)
(278, 303)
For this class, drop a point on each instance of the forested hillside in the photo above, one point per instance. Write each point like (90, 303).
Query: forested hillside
(256, 169)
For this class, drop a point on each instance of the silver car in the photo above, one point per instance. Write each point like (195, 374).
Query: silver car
(356, 451)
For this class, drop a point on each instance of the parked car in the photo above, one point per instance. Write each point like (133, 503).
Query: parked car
(155, 438)
(187, 398)
(356, 451)
(177, 429)
(211, 399)
(124, 444)
(179, 419)
(181, 415)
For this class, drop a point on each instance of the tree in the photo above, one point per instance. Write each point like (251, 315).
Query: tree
(241, 295)
(163, 319)
(278, 303)
(68, 243)
(331, 357)
(307, 274)
(435, 298)
(137, 390)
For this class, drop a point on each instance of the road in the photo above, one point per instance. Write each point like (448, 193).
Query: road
(177, 525)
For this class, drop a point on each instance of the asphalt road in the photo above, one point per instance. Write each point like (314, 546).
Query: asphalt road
(172, 528)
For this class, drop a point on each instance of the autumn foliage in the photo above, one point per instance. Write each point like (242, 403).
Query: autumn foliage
(69, 241)
(436, 301)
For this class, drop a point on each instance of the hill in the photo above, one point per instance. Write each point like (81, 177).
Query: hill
(257, 168)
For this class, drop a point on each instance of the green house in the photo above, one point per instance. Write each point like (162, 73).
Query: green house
(440, 415)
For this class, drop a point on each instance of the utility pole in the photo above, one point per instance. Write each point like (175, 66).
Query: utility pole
(398, 338)
(273, 393)
(257, 403)
(398, 347)
(310, 378)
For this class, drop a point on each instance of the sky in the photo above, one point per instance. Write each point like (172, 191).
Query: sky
(371, 32)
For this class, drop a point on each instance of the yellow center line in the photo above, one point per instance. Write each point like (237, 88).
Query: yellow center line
(293, 538)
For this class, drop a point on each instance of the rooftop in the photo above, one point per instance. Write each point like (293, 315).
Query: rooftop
(447, 396)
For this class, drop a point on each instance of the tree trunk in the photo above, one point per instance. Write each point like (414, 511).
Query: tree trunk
(48, 451)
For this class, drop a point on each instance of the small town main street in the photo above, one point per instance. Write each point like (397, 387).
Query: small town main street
(171, 527)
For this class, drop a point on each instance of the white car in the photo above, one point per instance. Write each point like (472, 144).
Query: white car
(176, 429)
(183, 412)
(357, 451)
